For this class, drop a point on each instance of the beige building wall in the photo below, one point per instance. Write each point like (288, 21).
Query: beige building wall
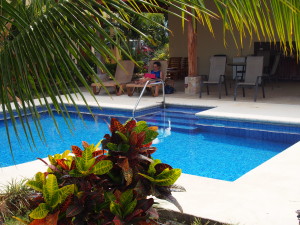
(208, 44)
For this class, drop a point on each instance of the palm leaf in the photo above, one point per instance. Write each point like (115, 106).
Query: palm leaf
(44, 43)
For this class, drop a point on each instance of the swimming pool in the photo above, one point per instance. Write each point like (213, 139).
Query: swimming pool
(211, 148)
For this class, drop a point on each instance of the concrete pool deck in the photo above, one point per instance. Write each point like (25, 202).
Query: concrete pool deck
(267, 195)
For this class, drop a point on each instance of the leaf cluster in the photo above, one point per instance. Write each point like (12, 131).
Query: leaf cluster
(107, 183)
(14, 200)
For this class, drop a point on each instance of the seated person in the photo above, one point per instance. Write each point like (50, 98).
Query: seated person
(156, 71)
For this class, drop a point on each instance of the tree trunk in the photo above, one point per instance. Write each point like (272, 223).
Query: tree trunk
(192, 48)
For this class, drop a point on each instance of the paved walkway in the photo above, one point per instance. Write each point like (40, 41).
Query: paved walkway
(267, 195)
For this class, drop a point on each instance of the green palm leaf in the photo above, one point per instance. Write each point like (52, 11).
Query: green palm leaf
(43, 44)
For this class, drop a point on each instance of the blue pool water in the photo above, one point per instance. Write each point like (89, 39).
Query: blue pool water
(217, 149)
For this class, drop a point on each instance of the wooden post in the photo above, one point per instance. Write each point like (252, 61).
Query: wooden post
(192, 47)
(192, 81)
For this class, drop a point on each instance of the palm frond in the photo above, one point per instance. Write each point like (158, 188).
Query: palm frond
(45, 46)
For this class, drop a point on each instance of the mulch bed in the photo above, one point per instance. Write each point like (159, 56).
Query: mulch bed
(168, 217)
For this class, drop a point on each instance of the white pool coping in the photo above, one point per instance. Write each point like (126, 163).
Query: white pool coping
(267, 195)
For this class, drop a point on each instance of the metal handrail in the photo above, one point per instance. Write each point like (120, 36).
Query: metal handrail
(141, 95)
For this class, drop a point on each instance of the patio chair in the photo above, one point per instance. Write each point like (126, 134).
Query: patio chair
(123, 75)
(132, 87)
(272, 74)
(253, 76)
(216, 75)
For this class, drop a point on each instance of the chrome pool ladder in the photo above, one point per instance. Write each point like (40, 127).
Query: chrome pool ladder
(142, 93)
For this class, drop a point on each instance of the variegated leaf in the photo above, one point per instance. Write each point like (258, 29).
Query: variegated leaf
(40, 212)
(50, 191)
(102, 167)
(126, 197)
(130, 125)
(115, 125)
(77, 151)
(129, 208)
(66, 191)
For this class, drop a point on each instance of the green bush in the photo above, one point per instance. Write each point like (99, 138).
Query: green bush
(162, 54)
(111, 185)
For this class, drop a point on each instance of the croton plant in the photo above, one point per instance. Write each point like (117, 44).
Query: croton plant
(107, 183)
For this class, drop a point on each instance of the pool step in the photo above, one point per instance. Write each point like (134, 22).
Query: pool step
(267, 127)
(175, 127)
(188, 110)
(181, 121)
(173, 117)
(247, 132)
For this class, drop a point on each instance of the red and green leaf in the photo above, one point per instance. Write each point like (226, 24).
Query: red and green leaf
(77, 151)
(130, 125)
(99, 152)
(115, 125)
(141, 137)
(66, 203)
(127, 171)
(50, 219)
(85, 144)
(133, 138)
(61, 162)
(74, 209)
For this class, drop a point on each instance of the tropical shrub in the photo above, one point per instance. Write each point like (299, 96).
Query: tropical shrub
(162, 54)
(106, 185)
(140, 67)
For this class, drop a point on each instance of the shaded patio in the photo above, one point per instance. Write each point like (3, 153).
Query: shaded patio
(285, 92)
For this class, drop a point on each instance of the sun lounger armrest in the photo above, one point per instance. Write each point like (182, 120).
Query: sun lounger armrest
(155, 81)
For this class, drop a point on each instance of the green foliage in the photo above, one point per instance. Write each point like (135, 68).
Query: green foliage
(110, 185)
(111, 67)
(162, 54)
(53, 195)
(140, 67)
(46, 51)
(166, 178)
(40, 212)
(38, 183)
(14, 200)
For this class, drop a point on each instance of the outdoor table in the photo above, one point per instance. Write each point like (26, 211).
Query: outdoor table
(237, 64)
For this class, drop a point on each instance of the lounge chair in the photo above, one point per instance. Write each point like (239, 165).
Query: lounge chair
(154, 85)
(123, 75)
(216, 75)
(253, 76)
